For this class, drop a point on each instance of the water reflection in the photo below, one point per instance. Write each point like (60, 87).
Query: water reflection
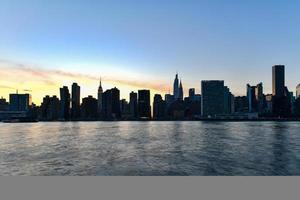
(280, 152)
(150, 148)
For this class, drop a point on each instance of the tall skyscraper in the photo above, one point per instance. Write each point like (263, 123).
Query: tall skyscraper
(278, 81)
(75, 102)
(176, 87)
(159, 107)
(19, 102)
(100, 93)
(180, 93)
(64, 103)
(260, 98)
(133, 104)
(298, 91)
(255, 98)
(144, 108)
(281, 102)
(212, 99)
(115, 98)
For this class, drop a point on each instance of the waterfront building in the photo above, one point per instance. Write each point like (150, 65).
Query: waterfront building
(64, 103)
(256, 98)
(89, 108)
(159, 107)
(75, 102)
(212, 99)
(19, 102)
(133, 104)
(241, 104)
(144, 108)
(111, 104)
(228, 101)
(4, 105)
(281, 102)
(125, 109)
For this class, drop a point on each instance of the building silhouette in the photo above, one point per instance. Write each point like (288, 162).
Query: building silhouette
(212, 99)
(144, 108)
(278, 80)
(228, 101)
(89, 108)
(4, 105)
(64, 103)
(125, 109)
(133, 104)
(100, 93)
(256, 98)
(180, 93)
(192, 93)
(159, 107)
(75, 102)
(49, 109)
(281, 101)
(241, 104)
(111, 104)
(176, 87)
(19, 102)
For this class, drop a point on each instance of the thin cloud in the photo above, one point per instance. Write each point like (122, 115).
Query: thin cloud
(47, 76)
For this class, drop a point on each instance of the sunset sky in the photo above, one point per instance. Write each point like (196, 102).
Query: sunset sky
(136, 44)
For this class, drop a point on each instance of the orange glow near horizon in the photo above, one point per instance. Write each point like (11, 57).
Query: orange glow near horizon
(40, 82)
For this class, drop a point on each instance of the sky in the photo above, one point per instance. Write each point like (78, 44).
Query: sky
(136, 44)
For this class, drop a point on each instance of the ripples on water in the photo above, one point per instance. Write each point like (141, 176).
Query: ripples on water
(150, 148)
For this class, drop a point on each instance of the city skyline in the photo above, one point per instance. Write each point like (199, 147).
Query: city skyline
(125, 94)
(135, 45)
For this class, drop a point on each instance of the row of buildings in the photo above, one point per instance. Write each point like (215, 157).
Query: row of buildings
(215, 102)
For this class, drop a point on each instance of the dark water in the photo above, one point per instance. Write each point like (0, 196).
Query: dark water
(150, 148)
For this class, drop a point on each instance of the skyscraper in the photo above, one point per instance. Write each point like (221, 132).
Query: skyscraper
(75, 102)
(64, 103)
(278, 81)
(144, 108)
(176, 87)
(281, 102)
(255, 98)
(89, 108)
(100, 93)
(159, 107)
(180, 93)
(19, 102)
(133, 105)
(260, 98)
(228, 101)
(115, 101)
(111, 104)
(212, 99)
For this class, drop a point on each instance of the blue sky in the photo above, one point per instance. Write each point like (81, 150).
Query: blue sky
(149, 41)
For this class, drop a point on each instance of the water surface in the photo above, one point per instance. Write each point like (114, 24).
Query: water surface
(150, 148)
